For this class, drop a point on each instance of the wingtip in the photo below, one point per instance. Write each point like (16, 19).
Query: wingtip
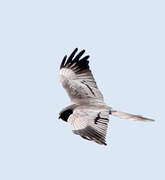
(85, 58)
(75, 50)
(80, 62)
(83, 50)
(105, 144)
(63, 61)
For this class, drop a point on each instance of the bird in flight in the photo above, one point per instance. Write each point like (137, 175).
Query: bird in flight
(88, 114)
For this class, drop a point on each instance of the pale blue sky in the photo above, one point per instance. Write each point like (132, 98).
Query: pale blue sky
(126, 41)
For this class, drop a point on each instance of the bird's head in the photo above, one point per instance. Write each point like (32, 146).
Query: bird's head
(64, 114)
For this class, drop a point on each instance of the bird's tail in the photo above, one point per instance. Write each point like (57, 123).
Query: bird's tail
(128, 116)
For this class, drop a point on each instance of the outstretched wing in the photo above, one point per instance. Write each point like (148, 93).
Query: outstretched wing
(90, 123)
(77, 79)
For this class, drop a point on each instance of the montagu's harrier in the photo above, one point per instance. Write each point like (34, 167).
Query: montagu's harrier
(88, 114)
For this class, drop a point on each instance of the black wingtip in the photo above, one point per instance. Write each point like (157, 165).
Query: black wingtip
(72, 55)
(63, 61)
(77, 61)
(85, 58)
(76, 49)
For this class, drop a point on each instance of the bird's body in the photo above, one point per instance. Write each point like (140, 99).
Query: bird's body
(88, 114)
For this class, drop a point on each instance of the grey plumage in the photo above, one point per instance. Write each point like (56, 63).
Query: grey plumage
(88, 114)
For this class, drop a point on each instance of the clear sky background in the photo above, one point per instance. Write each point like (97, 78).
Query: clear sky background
(126, 42)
